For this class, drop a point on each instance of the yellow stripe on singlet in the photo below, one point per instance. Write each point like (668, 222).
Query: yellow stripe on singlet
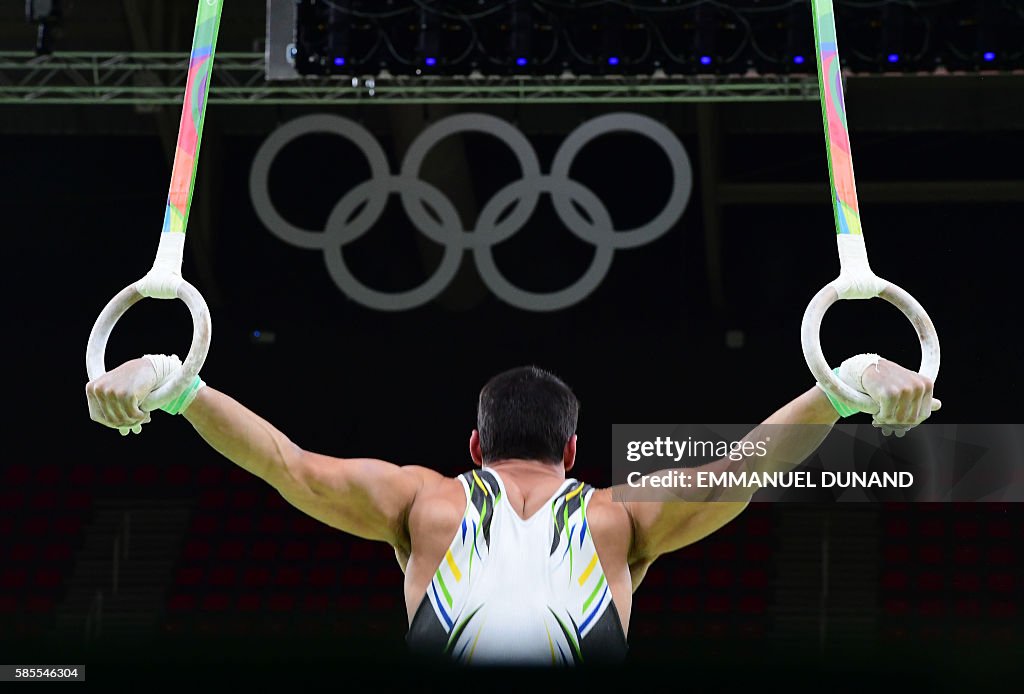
(574, 492)
(480, 482)
(590, 567)
(455, 569)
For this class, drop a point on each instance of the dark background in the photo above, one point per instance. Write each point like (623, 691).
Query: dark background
(244, 583)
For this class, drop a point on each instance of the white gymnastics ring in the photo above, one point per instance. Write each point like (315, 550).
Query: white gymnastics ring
(202, 329)
(811, 340)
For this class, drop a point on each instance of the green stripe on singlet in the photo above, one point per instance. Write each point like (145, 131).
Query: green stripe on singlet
(444, 588)
(593, 595)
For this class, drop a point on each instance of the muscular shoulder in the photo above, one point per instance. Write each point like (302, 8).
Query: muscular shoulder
(610, 523)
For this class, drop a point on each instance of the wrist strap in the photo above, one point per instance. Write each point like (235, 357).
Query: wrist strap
(842, 408)
(181, 403)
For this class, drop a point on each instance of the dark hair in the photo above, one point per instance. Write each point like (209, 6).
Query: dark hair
(528, 413)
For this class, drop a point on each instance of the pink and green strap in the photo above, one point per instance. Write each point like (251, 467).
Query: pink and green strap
(164, 280)
(856, 280)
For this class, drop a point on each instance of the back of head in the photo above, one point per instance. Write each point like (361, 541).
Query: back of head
(526, 413)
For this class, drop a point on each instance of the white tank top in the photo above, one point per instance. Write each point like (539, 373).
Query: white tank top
(511, 591)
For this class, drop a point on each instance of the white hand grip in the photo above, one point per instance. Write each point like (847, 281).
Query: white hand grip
(201, 333)
(810, 338)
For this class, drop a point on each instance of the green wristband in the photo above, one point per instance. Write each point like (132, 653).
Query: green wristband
(842, 408)
(181, 403)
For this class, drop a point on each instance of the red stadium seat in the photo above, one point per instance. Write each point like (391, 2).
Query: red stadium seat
(281, 602)
(723, 551)
(182, 602)
(967, 529)
(752, 604)
(17, 475)
(897, 527)
(213, 499)
(256, 577)
(721, 578)
(295, 550)
(22, 552)
(717, 604)
(384, 601)
(896, 606)
(967, 582)
(392, 577)
(67, 525)
(48, 578)
(966, 554)
(894, 580)
(189, 576)
(231, 550)
(239, 524)
(967, 607)
(205, 523)
(177, 475)
(82, 475)
(350, 602)
(355, 576)
(1001, 529)
(1000, 555)
(263, 550)
(43, 500)
(932, 607)
(930, 581)
(8, 603)
(11, 500)
(1002, 609)
(329, 549)
(210, 475)
(931, 554)
(13, 578)
(77, 500)
(272, 524)
(145, 474)
(48, 475)
(932, 527)
(1001, 582)
(323, 576)
(196, 550)
(897, 554)
(684, 603)
(316, 602)
(222, 576)
(113, 475)
(287, 577)
(687, 577)
(57, 552)
(35, 525)
(754, 578)
(39, 603)
(245, 499)
(216, 602)
(249, 602)
(757, 553)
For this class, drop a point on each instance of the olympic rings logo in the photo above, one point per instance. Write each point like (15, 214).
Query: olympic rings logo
(500, 218)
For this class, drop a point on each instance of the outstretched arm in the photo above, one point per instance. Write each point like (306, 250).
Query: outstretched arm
(797, 429)
(362, 496)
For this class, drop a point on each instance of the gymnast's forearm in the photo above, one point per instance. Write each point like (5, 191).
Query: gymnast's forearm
(796, 430)
(243, 437)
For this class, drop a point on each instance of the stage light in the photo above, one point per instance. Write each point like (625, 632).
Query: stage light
(339, 61)
(798, 59)
(989, 56)
(705, 60)
(612, 60)
(521, 62)
(46, 15)
(894, 58)
(430, 61)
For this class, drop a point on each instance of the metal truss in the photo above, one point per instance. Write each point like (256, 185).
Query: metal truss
(152, 78)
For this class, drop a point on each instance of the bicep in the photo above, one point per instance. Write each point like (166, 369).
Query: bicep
(660, 527)
(365, 497)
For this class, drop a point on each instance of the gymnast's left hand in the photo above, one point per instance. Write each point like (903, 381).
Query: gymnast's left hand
(904, 397)
(114, 397)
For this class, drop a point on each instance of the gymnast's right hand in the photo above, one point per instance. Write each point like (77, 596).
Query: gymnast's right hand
(114, 397)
